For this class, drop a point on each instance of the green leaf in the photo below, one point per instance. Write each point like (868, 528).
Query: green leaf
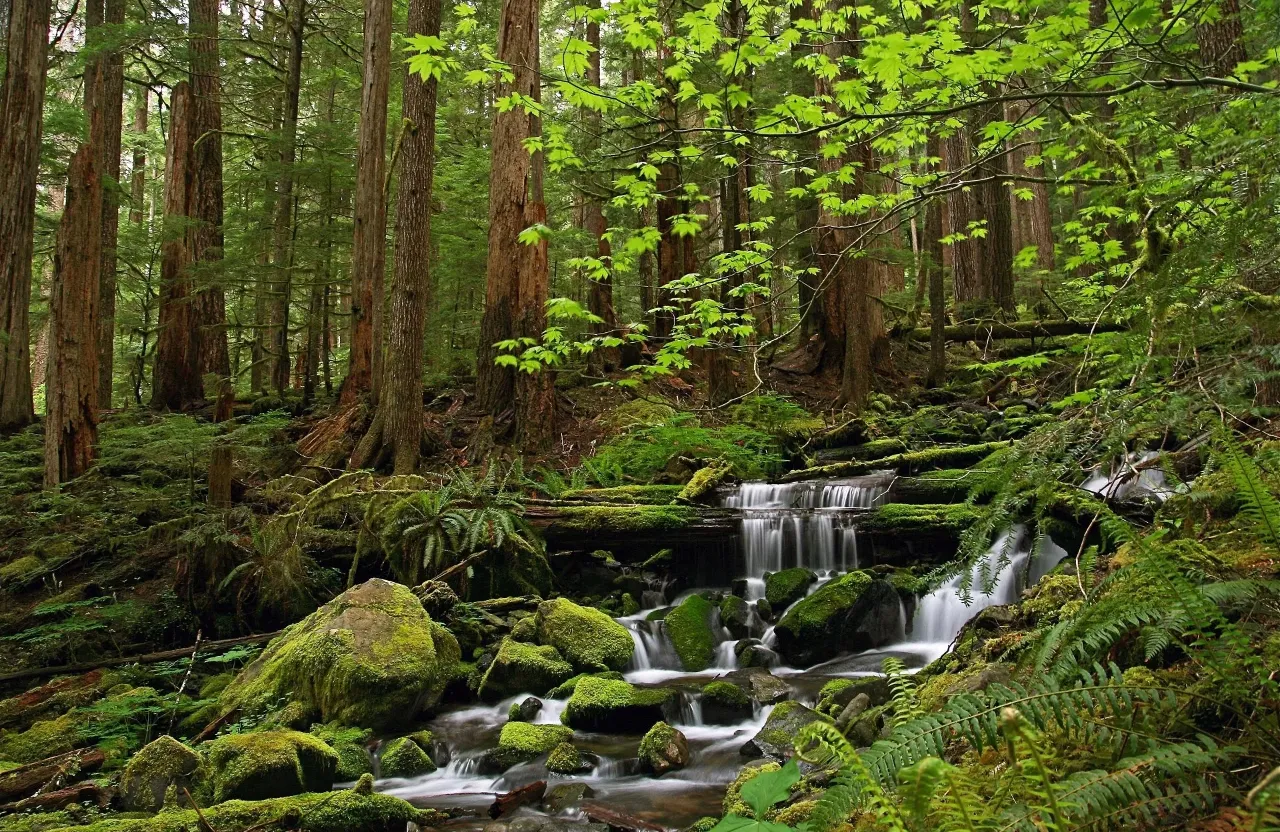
(737, 823)
(763, 791)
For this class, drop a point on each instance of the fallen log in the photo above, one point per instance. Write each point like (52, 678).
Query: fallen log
(17, 783)
(513, 800)
(618, 821)
(995, 330)
(62, 798)
(25, 707)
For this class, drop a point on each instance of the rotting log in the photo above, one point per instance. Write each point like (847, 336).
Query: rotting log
(18, 783)
(618, 821)
(994, 330)
(512, 800)
(80, 793)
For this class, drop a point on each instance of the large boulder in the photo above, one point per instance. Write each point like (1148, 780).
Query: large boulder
(590, 640)
(724, 703)
(777, 738)
(406, 757)
(521, 742)
(853, 612)
(618, 707)
(689, 626)
(162, 763)
(761, 685)
(523, 668)
(371, 657)
(735, 616)
(270, 764)
(782, 589)
(663, 749)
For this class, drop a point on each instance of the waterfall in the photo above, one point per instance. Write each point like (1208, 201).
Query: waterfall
(1127, 480)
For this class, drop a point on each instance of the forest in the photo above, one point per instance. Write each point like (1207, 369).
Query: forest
(639, 416)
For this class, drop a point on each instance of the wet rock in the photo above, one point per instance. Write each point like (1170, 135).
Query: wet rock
(854, 612)
(761, 685)
(566, 795)
(776, 739)
(856, 707)
(996, 618)
(735, 615)
(520, 667)
(990, 675)
(269, 764)
(612, 705)
(164, 762)
(525, 825)
(565, 758)
(782, 589)
(437, 598)
(663, 749)
(764, 609)
(513, 800)
(739, 587)
(526, 711)
(521, 742)
(724, 703)
(689, 628)
(866, 729)
(525, 630)
(588, 639)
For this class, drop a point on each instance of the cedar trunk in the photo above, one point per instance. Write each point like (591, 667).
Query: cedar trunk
(71, 392)
(112, 68)
(932, 260)
(600, 291)
(368, 255)
(21, 112)
(282, 250)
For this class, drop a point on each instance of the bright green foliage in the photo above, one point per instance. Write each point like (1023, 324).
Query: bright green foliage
(587, 638)
(688, 626)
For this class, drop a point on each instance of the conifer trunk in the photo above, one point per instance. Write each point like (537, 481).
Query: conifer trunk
(21, 113)
(112, 68)
(600, 291)
(932, 259)
(282, 249)
(138, 182)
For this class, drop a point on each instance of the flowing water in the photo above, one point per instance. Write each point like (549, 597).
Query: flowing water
(814, 525)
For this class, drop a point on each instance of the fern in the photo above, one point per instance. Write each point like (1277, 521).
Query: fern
(905, 699)
(1256, 501)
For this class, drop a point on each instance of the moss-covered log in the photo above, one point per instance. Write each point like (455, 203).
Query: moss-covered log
(995, 330)
(913, 462)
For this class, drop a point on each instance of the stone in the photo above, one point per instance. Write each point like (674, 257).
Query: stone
(526, 711)
(735, 615)
(776, 739)
(437, 598)
(566, 759)
(520, 667)
(617, 706)
(663, 749)
(784, 588)
(565, 795)
(588, 639)
(267, 764)
(405, 757)
(856, 707)
(521, 742)
(162, 763)
(688, 627)
(724, 703)
(852, 613)
(761, 685)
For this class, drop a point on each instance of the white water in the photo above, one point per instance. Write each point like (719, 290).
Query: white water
(1127, 480)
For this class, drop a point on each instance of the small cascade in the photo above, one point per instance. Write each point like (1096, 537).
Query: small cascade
(1128, 480)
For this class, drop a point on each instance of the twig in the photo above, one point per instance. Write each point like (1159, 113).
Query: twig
(185, 678)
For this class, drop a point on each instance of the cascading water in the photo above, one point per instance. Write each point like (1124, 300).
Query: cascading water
(1130, 479)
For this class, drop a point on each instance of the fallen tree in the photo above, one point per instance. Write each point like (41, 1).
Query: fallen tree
(995, 330)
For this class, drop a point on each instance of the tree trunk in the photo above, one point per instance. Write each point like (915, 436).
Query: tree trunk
(71, 392)
(138, 184)
(961, 214)
(600, 291)
(369, 251)
(176, 382)
(509, 183)
(205, 201)
(112, 68)
(932, 259)
(1221, 40)
(282, 250)
(1032, 219)
(806, 212)
(993, 205)
(21, 112)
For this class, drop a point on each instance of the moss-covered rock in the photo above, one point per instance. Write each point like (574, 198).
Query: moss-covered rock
(784, 588)
(622, 520)
(777, 738)
(43, 739)
(733, 802)
(370, 657)
(704, 482)
(521, 742)
(663, 749)
(269, 764)
(566, 690)
(949, 519)
(565, 758)
(853, 612)
(604, 704)
(519, 668)
(161, 764)
(349, 743)
(689, 628)
(724, 703)
(526, 630)
(405, 757)
(735, 615)
(590, 640)
(948, 485)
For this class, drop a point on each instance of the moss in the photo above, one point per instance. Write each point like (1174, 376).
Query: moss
(353, 761)
(904, 464)
(564, 759)
(630, 606)
(370, 657)
(725, 694)
(565, 690)
(904, 518)
(782, 589)
(809, 617)
(689, 628)
(404, 757)
(621, 520)
(703, 483)
(21, 570)
(531, 740)
(660, 559)
(656, 495)
(948, 485)
(520, 667)
(704, 824)
(733, 802)
(827, 703)
(43, 739)
(587, 638)
(618, 706)
(162, 764)
(269, 764)
(663, 749)
(526, 630)
(1051, 596)
(796, 813)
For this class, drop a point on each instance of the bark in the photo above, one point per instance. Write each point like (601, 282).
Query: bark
(600, 291)
(509, 182)
(932, 260)
(670, 257)
(1019, 329)
(1221, 39)
(962, 212)
(176, 382)
(369, 252)
(21, 112)
(71, 392)
(1032, 219)
(994, 207)
(282, 237)
(864, 323)
(138, 183)
(112, 104)
(831, 239)
(205, 201)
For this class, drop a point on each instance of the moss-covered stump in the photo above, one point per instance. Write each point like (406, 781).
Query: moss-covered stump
(565, 758)
(521, 742)
(521, 668)
(162, 763)
(853, 612)
(269, 764)
(663, 749)
(777, 738)
(356, 810)
(405, 757)
(948, 485)
(689, 628)
(904, 464)
(617, 706)
(782, 589)
(724, 703)
(590, 640)
(371, 657)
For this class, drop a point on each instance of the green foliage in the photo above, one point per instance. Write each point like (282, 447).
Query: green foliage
(645, 450)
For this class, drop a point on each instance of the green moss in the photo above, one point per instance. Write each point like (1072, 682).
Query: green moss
(564, 759)
(162, 764)
(733, 803)
(531, 739)
(526, 630)
(621, 520)
(520, 667)
(725, 694)
(1051, 596)
(796, 813)
(663, 749)
(404, 757)
(43, 739)
(949, 485)
(659, 560)
(782, 589)
(269, 764)
(353, 761)
(370, 657)
(587, 638)
(656, 495)
(903, 518)
(703, 824)
(809, 617)
(565, 690)
(703, 483)
(904, 464)
(21, 570)
(630, 606)
(689, 628)
(615, 705)
(827, 696)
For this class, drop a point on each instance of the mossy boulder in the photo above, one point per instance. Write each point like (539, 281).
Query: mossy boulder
(565, 758)
(521, 742)
(521, 668)
(566, 690)
(590, 640)
(689, 628)
(704, 482)
(405, 757)
(724, 703)
(659, 495)
(663, 749)
(349, 743)
(269, 764)
(371, 657)
(161, 764)
(43, 739)
(735, 615)
(617, 706)
(526, 630)
(854, 612)
(782, 589)
(777, 738)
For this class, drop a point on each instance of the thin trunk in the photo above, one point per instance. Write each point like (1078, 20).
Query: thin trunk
(282, 250)
(71, 392)
(138, 185)
(669, 256)
(931, 251)
(112, 67)
(21, 112)
(369, 252)
(600, 294)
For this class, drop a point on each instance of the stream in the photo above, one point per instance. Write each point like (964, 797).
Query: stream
(811, 524)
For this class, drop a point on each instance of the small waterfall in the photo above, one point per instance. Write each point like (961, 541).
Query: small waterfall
(1127, 480)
